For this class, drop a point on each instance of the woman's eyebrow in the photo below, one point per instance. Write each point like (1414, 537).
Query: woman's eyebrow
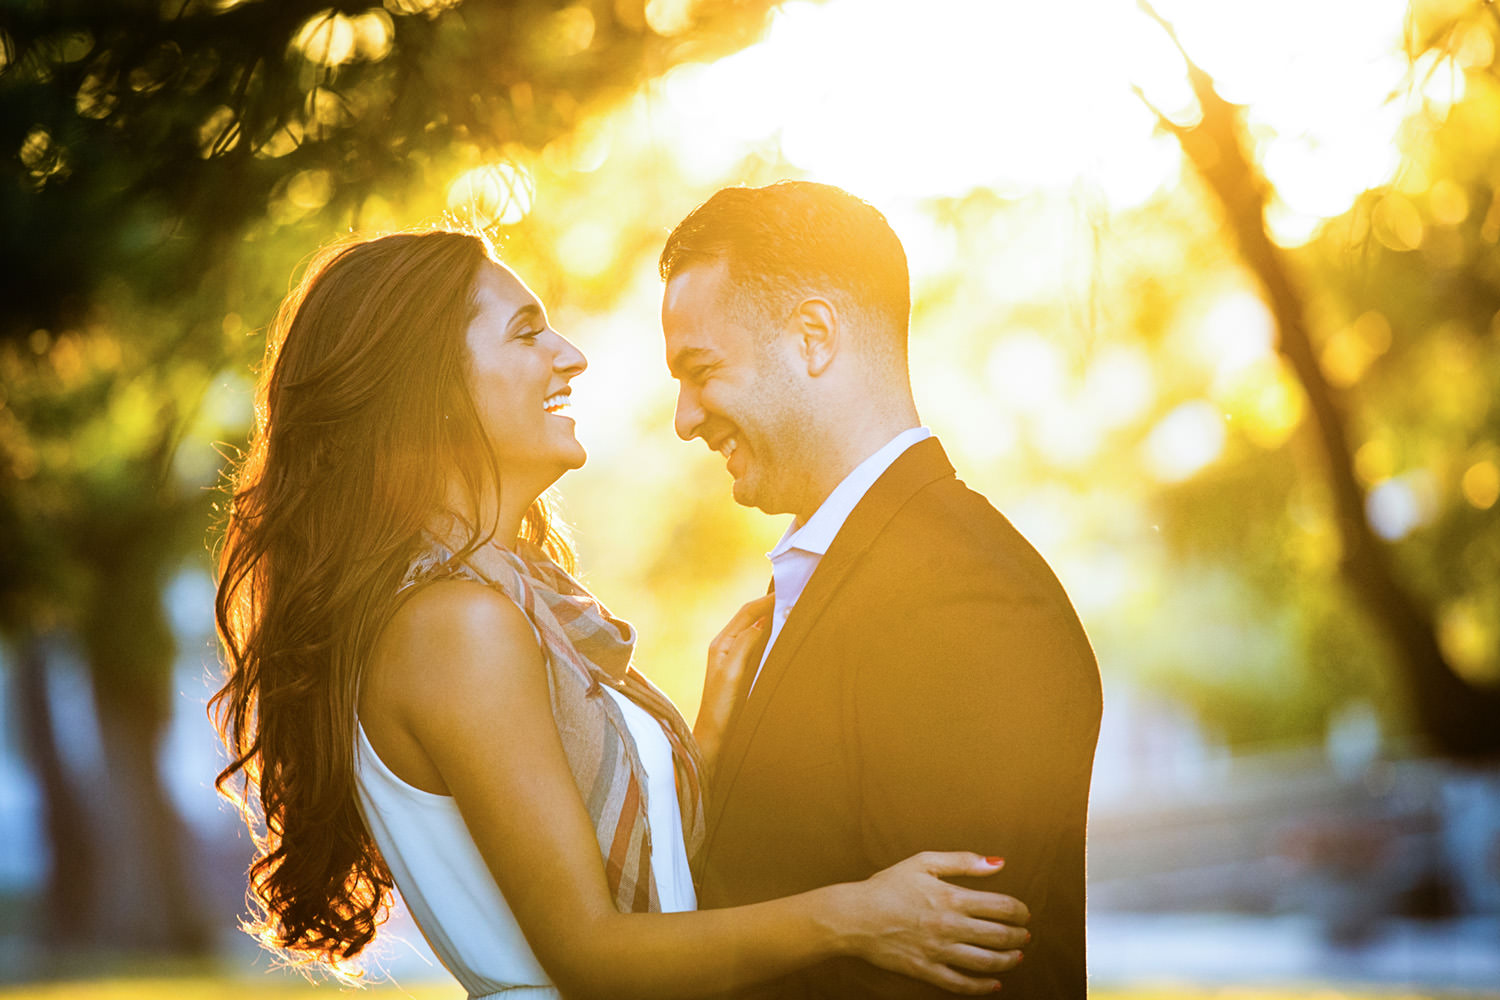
(528, 315)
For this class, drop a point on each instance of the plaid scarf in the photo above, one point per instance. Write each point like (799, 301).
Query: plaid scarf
(585, 648)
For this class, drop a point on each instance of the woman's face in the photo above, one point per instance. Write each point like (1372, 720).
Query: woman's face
(519, 370)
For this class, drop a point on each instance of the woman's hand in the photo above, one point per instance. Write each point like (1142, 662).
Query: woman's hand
(906, 919)
(730, 671)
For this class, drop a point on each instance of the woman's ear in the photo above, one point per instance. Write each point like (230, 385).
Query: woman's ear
(815, 321)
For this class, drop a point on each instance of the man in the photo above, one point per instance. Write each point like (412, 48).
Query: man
(926, 684)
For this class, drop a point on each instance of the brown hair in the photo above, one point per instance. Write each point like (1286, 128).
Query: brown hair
(361, 409)
(795, 238)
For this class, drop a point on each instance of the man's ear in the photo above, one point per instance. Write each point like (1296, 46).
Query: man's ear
(815, 322)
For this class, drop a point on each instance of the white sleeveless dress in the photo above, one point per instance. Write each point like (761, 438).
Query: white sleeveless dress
(449, 890)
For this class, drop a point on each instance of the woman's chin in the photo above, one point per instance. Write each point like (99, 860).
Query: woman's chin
(574, 459)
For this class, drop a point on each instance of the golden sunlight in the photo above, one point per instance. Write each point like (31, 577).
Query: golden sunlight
(1024, 97)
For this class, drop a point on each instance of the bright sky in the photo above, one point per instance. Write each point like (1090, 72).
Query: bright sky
(897, 102)
(904, 103)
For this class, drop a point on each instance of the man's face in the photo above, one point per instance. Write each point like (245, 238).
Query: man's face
(738, 388)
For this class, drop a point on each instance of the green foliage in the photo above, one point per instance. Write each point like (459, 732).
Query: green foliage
(164, 166)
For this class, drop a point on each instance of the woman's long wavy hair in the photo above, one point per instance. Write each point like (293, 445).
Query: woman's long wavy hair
(362, 419)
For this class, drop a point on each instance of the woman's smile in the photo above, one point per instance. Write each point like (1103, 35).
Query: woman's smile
(516, 359)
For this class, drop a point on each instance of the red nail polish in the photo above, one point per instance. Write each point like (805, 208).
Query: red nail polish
(994, 860)
(1028, 937)
(996, 989)
(1020, 958)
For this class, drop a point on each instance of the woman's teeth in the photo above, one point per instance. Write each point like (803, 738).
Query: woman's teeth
(554, 403)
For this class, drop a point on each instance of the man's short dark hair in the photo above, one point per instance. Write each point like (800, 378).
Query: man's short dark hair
(791, 239)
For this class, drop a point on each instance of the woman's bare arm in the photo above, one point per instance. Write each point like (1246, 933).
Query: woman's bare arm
(459, 672)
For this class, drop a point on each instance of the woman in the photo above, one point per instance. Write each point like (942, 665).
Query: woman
(418, 692)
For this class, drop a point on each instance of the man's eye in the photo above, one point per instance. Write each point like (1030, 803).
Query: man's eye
(531, 334)
(700, 373)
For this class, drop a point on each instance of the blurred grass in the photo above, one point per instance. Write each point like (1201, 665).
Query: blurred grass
(217, 988)
(232, 988)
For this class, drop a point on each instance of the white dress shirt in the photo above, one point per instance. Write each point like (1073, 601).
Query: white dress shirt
(801, 548)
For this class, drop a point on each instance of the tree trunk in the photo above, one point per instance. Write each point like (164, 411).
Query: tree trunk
(1455, 717)
(151, 903)
(72, 875)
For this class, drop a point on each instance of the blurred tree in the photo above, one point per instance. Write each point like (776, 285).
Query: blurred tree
(167, 162)
(1455, 715)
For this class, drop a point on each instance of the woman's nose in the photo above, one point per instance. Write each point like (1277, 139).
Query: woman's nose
(569, 358)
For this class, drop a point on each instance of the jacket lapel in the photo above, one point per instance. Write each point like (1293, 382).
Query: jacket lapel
(921, 464)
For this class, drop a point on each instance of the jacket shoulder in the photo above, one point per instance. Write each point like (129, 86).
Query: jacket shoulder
(949, 531)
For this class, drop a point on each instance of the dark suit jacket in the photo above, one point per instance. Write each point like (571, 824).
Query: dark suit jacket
(932, 689)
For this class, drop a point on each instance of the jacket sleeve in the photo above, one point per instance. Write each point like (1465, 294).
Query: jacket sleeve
(976, 710)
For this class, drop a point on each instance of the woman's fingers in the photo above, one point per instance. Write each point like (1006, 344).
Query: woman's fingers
(956, 982)
(740, 624)
(995, 906)
(752, 612)
(730, 648)
(982, 960)
(957, 938)
(944, 864)
(970, 971)
(991, 935)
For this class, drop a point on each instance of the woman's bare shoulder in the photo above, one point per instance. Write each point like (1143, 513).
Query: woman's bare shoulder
(452, 628)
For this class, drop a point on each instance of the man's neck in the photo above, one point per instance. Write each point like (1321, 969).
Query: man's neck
(852, 445)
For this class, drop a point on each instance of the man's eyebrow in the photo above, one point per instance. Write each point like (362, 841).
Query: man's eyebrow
(685, 357)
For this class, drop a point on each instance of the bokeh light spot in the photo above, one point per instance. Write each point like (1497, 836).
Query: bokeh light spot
(1401, 504)
(1236, 333)
(1026, 371)
(219, 133)
(569, 31)
(282, 141)
(587, 249)
(494, 194)
(1118, 386)
(1350, 350)
(430, 8)
(1468, 640)
(1448, 202)
(1374, 461)
(669, 17)
(1481, 484)
(374, 33)
(310, 190)
(1185, 441)
(41, 156)
(327, 38)
(1397, 223)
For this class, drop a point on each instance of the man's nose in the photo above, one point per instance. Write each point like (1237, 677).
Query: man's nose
(689, 415)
